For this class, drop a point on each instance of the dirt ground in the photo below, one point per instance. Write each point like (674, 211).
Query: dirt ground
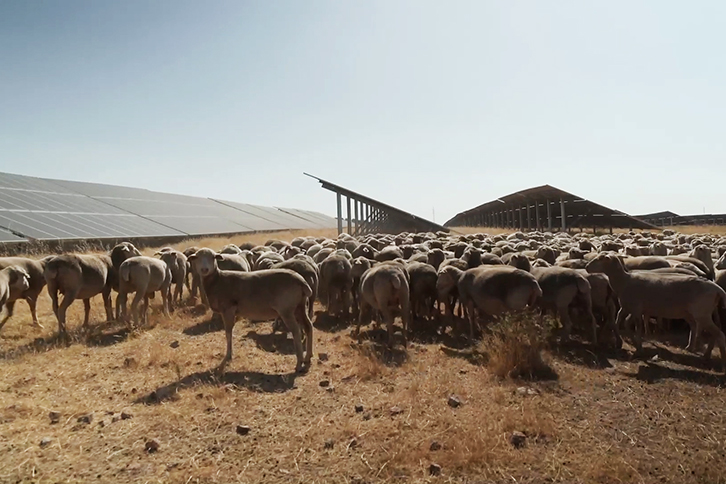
(361, 415)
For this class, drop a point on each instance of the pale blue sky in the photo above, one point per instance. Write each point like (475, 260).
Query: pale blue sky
(420, 104)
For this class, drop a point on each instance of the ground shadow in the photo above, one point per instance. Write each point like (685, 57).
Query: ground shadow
(330, 324)
(107, 336)
(652, 373)
(586, 354)
(470, 354)
(211, 325)
(101, 334)
(273, 342)
(251, 380)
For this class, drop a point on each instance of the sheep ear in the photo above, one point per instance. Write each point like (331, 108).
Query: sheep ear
(13, 277)
(219, 257)
(192, 257)
(157, 253)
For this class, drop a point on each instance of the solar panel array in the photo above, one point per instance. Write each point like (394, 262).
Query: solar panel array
(44, 209)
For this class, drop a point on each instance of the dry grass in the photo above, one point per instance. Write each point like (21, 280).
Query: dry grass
(607, 418)
(515, 347)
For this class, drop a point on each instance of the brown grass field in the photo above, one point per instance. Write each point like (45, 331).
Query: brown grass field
(606, 417)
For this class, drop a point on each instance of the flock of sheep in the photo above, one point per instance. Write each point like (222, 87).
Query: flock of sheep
(602, 283)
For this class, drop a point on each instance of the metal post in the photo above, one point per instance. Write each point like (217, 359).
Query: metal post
(357, 220)
(340, 214)
(529, 219)
(562, 213)
(549, 216)
(536, 214)
(347, 200)
(521, 219)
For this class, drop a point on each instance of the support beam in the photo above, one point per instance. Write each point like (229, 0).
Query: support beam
(549, 216)
(562, 213)
(357, 220)
(340, 213)
(350, 229)
(521, 219)
(529, 219)
(536, 214)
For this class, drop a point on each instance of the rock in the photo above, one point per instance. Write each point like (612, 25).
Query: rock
(243, 429)
(86, 419)
(130, 362)
(329, 444)
(45, 441)
(358, 408)
(324, 383)
(522, 390)
(435, 470)
(395, 410)
(101, 423)
(126, 416)
(435, 445)
(323, 356)
(151, 446)
(518, 439)
(115, 419)
(54, 417)
(655, 359)
(330, 389)
(174, 344)
(454, 401)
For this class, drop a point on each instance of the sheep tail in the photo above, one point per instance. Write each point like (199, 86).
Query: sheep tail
(50, 271)
(124, 273)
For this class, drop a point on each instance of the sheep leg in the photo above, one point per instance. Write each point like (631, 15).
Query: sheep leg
(290, 321)
(472, 319)
(389, 319)
(228, 317)
(145, 313)
(346, 304)
(564, 315)
(9, 306)
(308, 328)
(693, 335)
(362, 314)
(611, 323)
(87, 312)
(166, 302)
(138, 297)
(106, 295)
(68, 298)
(179, 292)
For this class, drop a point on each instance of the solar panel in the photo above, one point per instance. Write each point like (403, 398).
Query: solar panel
(46, 209)
(6, 236)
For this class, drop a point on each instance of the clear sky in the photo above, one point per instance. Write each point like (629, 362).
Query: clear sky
(422, 104)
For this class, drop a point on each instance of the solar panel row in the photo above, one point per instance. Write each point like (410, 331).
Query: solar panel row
(57, 209)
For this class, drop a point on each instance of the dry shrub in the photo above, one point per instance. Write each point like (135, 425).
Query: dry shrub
(516, 345)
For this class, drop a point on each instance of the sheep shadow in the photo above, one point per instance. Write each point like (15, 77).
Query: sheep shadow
(381, 353)
(470, 354)
(685, 359)
(212, 325)
(100, 336)
(330, 324)
(653, 373)
(586, 354)
(251, 380)
(273, 342)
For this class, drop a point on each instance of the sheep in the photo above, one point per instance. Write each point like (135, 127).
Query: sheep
(358, 267)
(267, 260)
(364, 250)
(389, 253)
(308, 270)
(322, 254)
(679, 259)
(144, 276)
(230, 249)
(385, 287)
(177, 263)
(34, 268)
(560, 288)
(664, 296)
(14, 281)
(520, 261)
(422, 297)
(336, 284)
(259, 295)
(495, 289)
(78, 276)
(604, 303)
(435, 257)
(226, 262)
